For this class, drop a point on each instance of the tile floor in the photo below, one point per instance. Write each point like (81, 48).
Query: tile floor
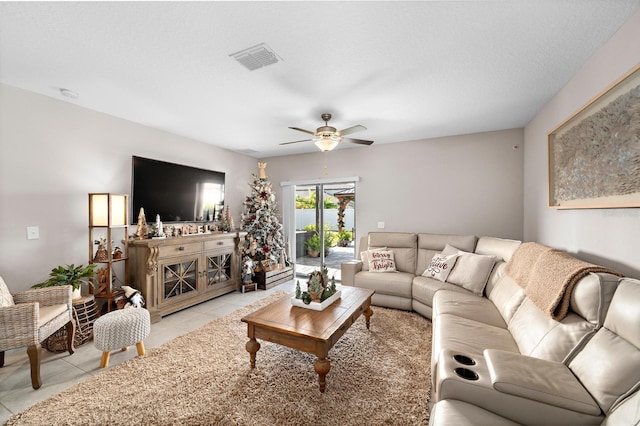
(60, 371)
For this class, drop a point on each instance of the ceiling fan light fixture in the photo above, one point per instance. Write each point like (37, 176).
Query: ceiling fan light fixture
(326, 143)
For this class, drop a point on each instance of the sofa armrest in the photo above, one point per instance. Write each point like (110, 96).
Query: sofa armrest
(538, 379)
(349, 270)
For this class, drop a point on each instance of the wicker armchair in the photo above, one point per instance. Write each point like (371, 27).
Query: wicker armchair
(36, 315)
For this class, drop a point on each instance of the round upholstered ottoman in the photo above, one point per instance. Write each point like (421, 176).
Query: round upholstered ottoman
(121, 329)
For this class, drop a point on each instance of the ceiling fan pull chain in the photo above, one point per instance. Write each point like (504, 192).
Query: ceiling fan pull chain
(326, 170)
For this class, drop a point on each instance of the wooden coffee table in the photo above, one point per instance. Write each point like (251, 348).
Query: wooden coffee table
(307, 330)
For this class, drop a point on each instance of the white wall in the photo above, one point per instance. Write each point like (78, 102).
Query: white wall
(469, 184)
(610, 237)
(53, 153)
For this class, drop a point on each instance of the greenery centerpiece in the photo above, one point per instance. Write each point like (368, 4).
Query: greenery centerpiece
(319, 288)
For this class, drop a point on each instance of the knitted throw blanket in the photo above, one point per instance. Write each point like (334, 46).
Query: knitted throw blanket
(548, 276)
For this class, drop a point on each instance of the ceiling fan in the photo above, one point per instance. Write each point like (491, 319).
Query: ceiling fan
(327, 137)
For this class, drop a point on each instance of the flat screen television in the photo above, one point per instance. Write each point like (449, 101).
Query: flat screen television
(176, 192)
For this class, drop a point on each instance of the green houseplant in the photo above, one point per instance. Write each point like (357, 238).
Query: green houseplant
(344, 238)
(71, 275)
(313, 245)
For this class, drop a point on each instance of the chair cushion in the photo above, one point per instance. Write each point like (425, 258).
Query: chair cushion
(47, 313)
(6, 299)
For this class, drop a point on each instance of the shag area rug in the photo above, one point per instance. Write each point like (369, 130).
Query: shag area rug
(378, 376)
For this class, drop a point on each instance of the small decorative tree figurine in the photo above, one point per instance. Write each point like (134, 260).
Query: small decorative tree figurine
(142, 230)
(318, 287)
(264, 239)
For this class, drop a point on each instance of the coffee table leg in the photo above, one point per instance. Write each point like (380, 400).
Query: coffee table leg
(322, 367)
(252, 347)
(367, 315)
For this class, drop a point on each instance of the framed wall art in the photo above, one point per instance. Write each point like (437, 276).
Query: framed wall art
(594, 155)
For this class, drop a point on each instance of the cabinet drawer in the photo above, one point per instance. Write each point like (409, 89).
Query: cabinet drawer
(343, 329)
(179, 249)
(218, 244)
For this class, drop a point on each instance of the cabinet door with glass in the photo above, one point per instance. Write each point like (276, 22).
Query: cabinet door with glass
(218, 270)
(178, 278)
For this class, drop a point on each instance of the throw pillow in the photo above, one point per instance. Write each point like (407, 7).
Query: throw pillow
(440, 266)
(382, 261)
(472, 271)
(364, 256)
(6, 299)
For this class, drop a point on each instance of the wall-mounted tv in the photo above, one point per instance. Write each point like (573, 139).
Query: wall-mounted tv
(176, 192)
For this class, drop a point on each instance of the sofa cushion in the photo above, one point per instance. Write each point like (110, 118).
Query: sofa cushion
(440, 266)
(506, 297)
(467, 305)
(381, 261)
(430, 244)
(471, 270)
(6, 299)
(502, 249)
(608, 364)
(592, 296)
(469, 337)
(397, 284)
(403, 245)
(424, 289)
(540, 336)
(459, 413)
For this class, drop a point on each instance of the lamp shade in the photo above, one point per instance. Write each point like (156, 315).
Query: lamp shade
(107, 209)
(327, 143)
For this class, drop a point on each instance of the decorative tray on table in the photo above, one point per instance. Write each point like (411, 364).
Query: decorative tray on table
(317, 306)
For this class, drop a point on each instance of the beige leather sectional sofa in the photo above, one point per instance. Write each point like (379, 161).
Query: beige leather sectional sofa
(499, 357)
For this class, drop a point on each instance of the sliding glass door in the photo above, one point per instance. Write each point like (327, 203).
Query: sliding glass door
(325, 227)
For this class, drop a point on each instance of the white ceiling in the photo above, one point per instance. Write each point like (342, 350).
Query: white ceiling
(405, 70)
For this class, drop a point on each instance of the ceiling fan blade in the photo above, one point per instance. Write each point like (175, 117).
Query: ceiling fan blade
(358, 141)
(303, 130)
(303, 140)
(352, 129)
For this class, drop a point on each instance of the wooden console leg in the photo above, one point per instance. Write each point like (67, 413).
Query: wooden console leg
(104, 362)
(1, 359)
(35, 356)
(140, 348)
(252, 347)
(322, 367)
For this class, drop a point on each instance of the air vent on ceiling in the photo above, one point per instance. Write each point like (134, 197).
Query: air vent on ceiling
(256, 57)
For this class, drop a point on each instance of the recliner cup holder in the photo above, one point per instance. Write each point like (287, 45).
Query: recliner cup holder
(466, 374)
(464, 360)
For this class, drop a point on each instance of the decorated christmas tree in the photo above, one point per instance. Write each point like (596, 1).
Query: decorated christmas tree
(264, 239)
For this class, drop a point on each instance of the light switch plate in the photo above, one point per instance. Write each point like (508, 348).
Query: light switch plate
(380, 225)
(33, 232)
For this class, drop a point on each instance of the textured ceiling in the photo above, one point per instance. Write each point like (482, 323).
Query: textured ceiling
(405, 70)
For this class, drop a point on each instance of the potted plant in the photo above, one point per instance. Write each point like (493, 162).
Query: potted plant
(71, 275)
(344, 238)
(313, 245)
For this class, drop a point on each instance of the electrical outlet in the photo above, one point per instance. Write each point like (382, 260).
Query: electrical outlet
(33, 232)
(380, 225)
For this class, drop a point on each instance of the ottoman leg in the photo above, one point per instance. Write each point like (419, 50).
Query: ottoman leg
(140, 347)
(104, 362)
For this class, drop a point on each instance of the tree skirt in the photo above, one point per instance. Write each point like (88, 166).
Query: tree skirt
(378, 376)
